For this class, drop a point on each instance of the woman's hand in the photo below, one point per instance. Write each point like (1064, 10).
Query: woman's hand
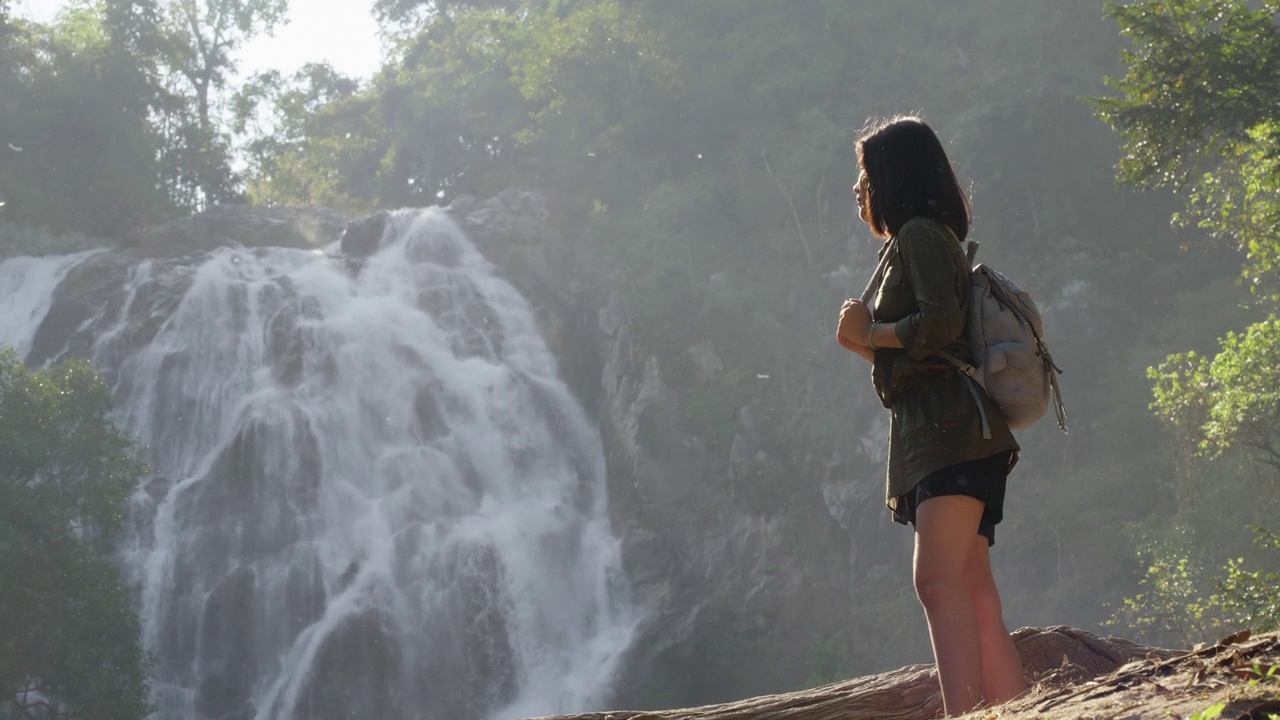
(855, 325)
(865, 353)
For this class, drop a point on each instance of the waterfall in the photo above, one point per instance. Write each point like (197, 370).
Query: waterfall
(372, 496)
(25, 283)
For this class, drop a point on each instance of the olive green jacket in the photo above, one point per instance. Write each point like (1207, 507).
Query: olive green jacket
(934, 415)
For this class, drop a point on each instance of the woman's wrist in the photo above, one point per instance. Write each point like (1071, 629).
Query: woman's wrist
(871, 335)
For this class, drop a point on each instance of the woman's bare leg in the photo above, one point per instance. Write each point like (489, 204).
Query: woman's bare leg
(1002, 678)
(946, 526)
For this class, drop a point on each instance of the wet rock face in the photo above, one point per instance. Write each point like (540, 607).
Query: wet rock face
(363, 237)
(513, 230)
(90, 290)
(223, 225)
(360, 673)
(518, 215)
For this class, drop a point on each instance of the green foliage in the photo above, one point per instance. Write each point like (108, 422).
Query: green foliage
(114, 114)
(1201, 77)
(424, 132)
(412, 12)
(278, 116)
(1180, 601)
(594, 79)
(1249, 597)
(1240, 201)
(78, 152)
(1170, 605)
(1197, 111)
(69, 636)
(1231, 399)
(1264, 674)
(1209, 713)
(1223, 413)
(486, 94)
(201, 38)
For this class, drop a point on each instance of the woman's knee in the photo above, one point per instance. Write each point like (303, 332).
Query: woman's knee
(936, 584)
(981, 586)
(986, 603)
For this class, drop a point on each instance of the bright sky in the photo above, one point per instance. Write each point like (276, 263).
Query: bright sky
(343, 32)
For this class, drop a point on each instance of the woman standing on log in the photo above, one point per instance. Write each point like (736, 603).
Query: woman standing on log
(947, 472)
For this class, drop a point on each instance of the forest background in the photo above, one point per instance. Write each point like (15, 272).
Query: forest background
(704, 151)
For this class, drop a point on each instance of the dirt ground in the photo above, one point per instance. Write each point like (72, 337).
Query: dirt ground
(1235, 679)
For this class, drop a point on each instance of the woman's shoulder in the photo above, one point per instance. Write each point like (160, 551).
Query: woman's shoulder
(921, 226)
(921, 231)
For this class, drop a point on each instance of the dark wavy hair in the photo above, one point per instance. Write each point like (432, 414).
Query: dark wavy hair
(908, 175)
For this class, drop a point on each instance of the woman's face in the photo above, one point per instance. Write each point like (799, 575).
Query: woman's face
(860, 197)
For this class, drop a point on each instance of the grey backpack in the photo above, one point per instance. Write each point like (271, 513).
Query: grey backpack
(1011, 360)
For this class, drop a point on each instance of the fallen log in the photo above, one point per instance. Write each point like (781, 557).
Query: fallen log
(1051, 657)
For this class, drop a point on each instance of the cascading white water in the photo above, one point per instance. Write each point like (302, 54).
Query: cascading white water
(374, 496)
(25, 285)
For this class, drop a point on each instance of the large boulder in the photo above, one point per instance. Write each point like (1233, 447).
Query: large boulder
(363, 237)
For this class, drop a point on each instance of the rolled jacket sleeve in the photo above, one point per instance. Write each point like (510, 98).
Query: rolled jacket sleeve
(930, 264)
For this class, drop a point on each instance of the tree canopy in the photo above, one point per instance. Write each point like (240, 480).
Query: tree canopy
(116, 114)
(1199, 111)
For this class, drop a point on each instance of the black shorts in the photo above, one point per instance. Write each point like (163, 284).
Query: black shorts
(982, 479)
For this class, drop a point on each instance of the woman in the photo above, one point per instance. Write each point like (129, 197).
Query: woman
(944, 477)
